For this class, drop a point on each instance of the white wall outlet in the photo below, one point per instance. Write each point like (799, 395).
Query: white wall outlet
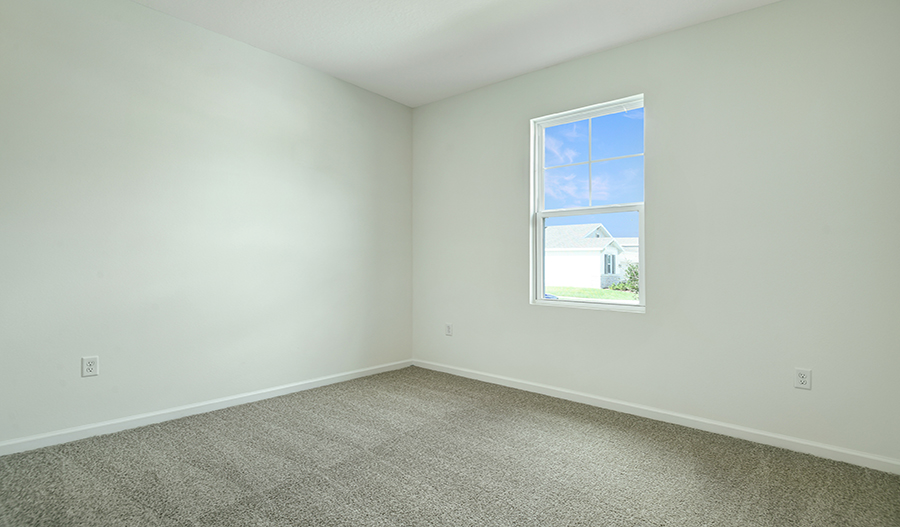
(448, 330)
(803, 378)
(90, 366)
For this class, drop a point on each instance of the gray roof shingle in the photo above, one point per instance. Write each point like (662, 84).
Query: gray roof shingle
(576, 237)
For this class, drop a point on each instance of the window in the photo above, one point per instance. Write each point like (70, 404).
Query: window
(610, 267)
(587, 191)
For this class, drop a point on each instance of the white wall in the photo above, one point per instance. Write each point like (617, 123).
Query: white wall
(207, 218)
(774, 127)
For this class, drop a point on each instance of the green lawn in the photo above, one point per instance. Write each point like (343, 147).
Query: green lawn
(587, 292)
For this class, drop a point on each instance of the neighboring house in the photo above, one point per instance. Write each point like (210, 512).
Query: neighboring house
(586, 256)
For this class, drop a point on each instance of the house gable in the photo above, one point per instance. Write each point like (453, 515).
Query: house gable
(584, 236)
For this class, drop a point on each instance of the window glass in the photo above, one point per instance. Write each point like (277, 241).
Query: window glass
(592, 257)
(565, 144)
(617, 134)
(566, 187)
(617, 181)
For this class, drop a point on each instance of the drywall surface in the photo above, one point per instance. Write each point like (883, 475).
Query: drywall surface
(771, 225)
(207, 218)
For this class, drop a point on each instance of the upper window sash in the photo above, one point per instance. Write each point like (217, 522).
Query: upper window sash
(538, 127)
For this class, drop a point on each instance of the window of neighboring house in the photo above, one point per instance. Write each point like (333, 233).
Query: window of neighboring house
(587, 191)
(610, 264)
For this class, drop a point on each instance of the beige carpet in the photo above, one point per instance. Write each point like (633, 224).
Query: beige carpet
(420, 448)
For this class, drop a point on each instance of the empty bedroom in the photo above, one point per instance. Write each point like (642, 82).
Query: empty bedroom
(471, 263)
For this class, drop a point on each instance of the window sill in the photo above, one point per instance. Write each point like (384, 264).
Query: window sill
(601, 306)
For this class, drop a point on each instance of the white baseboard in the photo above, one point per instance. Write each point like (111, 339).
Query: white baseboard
(12, 446)
(836, 453)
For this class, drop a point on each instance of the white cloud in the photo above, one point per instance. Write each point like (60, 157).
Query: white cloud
(600, 188)
(568, 188)
(564, 155)
(573, 132)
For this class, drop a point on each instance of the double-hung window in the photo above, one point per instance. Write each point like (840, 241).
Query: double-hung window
(587, 209)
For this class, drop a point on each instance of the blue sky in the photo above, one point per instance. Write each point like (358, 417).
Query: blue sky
(612, 181)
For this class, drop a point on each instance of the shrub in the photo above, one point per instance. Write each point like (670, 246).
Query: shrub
(632, 279)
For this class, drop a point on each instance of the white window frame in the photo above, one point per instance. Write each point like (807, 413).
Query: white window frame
(538, 214)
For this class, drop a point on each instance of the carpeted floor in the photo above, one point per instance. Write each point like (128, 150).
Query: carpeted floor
(420, 448)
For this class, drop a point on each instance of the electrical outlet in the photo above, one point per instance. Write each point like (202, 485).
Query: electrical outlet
(90, 366)
(803, 378)
(448, 330)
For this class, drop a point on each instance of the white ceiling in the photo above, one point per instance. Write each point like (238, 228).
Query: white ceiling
(420, 51)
